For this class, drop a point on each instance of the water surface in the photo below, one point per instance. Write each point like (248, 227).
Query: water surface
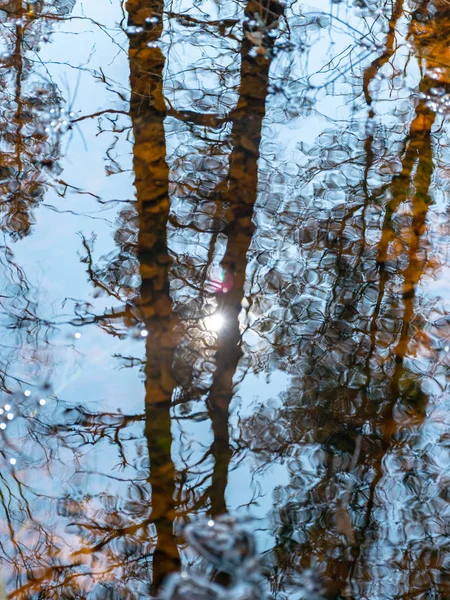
(225, 289)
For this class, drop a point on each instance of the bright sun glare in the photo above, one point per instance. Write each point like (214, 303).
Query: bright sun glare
(214, 322)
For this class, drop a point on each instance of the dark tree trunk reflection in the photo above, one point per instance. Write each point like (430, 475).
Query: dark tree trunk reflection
(239, 197)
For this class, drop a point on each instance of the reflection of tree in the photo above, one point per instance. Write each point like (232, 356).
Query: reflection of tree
(37, 558)
(345, 327)
(151, 180)
(239, 198)
(171, 341)
(356, 401)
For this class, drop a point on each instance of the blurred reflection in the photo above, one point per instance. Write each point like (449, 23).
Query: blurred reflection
(347, 318)
(331, 290)
(284, 270)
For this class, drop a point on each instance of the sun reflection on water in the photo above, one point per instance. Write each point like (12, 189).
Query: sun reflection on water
(214, 322)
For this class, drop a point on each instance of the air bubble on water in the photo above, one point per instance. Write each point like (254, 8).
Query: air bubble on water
(10, 416)
(12, 461)
(153, 45)
(210, 523)
(27, 393)
(77, 335)
(2, 425)
(144, 333)
(7, 407)
(42, 402)
(447, 348)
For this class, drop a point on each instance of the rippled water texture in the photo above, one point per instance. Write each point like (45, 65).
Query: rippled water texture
(225, 290)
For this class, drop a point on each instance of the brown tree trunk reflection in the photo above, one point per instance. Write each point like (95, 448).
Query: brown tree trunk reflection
(238, 196)
(148, 111)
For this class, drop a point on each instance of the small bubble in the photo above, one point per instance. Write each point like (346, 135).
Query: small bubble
(1, 411)
(77, 335)
(210, 523)
(42, 402)
(10, 416)
(183, 575)
(2, 425)
(12, 461)
(7, 407)
(144, 333)
(153, 45)
(447, 348)
(26, 393)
